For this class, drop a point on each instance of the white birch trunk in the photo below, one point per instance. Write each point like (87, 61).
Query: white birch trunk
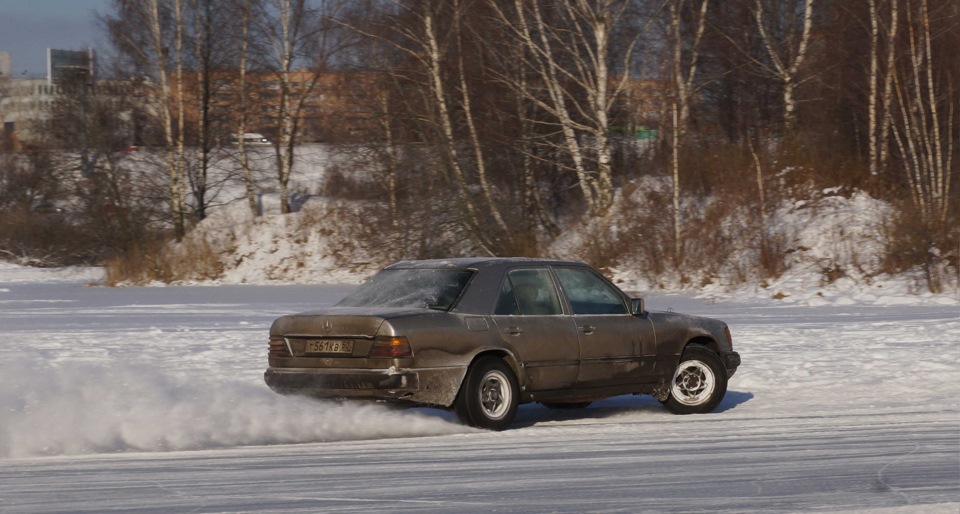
(435, 79)
(887, 116)
(245, 16)
(181, 150)
(549, 74)
(925, 140)
(201, 27)
(166, 115)
(391, 154)
(590, 24)
(783, 69)
(872, 128)
(474, 137)
(677, 213)
(684, 76)
(284, 119)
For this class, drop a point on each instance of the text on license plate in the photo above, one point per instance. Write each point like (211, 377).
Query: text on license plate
(328, 346)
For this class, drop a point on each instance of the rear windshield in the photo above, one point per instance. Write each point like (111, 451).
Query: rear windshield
(425, 288)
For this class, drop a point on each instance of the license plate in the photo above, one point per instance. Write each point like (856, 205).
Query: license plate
(328, 346)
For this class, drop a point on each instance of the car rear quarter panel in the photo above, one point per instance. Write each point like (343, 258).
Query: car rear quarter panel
(447, 343)
(445, 339)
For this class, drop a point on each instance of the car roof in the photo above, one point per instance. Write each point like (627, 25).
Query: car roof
(484, 289)
(479, 262)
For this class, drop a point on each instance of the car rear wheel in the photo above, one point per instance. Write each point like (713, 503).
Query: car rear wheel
(489, 395)
(698, 384)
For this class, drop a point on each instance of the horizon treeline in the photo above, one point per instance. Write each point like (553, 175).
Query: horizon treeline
(669, 131)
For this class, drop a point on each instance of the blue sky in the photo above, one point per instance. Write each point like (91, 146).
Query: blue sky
(29, 27)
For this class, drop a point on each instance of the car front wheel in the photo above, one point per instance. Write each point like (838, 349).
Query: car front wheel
(489, 395)
(698, 384)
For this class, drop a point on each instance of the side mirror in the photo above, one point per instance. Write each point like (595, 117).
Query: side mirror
(637, 307)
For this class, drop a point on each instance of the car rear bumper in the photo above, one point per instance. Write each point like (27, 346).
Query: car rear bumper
(731, 361)
(431, 386)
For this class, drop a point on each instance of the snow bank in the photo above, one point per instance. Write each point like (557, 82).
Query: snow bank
(16, 274)
(301, 247)
(835, 257)
(80, 408)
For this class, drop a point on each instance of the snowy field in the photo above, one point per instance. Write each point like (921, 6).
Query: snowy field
(151, 400)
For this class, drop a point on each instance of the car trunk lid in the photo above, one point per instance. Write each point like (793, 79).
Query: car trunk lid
(334, 338)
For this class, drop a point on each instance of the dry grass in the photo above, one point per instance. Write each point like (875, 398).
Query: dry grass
(166, 261)
(932, 247)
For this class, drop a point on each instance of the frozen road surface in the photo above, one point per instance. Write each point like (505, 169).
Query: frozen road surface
(151, 400)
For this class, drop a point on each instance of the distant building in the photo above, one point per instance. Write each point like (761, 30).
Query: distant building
(331, 111)
(6, 65)
(26, 105)
(70, 65)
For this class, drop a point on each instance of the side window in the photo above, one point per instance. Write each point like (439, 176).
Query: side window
(507, 301)
(528, 292)
(588, 293)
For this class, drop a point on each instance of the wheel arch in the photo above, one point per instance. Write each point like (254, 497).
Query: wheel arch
(500, 353)
(704, 342)
(503, 354)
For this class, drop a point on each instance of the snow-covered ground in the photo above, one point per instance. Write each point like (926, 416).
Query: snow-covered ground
(151, 400)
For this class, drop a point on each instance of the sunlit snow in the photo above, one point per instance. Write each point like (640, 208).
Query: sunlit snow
(152, 400)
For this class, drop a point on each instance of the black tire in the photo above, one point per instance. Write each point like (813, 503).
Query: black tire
(698, 383)
(489, 395)
(566, 405)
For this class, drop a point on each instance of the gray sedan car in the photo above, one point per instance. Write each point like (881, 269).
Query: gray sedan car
(484, 335)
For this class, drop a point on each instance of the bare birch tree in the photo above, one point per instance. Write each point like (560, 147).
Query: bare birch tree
(924, 130)
(685, 52)
(432, 51)
(568, 51)
(300, 34)
(886, 118)
(142, 30)
(879, 99)
(786, 51)
(179, 156)
(286, 37)
(422, 41)
(245, 11)
(205, 118)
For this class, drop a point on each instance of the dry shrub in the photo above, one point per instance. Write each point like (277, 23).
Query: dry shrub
(649, 233)
(347, 227)
(812, 163)
(426, 220)
(635, 234)
(723, 237)
(165, 261)
(913, 243)
(346, 184)
(49, 238)
(711, 169)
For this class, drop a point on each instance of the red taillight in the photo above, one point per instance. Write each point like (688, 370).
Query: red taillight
(390, 348)
(278, 347)
(729, 336)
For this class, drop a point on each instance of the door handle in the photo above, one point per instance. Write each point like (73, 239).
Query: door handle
(588, 329)
(514, 331)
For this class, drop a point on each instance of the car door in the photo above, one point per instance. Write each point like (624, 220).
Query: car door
(529, 317)
(616, 347)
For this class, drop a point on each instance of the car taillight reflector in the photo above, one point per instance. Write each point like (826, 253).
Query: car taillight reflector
(278, 347)
(390, 348)
(729, 336)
